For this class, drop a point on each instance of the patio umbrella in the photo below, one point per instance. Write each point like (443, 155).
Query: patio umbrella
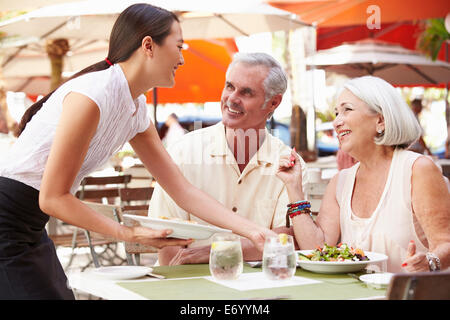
(326, 13)
(26, 4)
(199, 19)
(393, 63)
(32, 60)
(200, 79)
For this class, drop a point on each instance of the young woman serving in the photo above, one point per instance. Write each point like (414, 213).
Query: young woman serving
(75, 130)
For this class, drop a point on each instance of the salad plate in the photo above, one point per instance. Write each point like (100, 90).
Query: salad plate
(377, 280)
(122, 272)
(331, 267)
(181, 229)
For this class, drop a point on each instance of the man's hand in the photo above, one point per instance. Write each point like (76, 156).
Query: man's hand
(191, 256)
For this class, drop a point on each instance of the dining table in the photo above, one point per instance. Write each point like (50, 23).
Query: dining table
(194, 282)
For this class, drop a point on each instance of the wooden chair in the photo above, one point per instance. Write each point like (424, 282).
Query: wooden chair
(109, 245)
(134, 250)
(129, 197)
(93, 189)
(420, 286)
(103, 189)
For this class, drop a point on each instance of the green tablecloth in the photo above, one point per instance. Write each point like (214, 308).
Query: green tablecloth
(332, 287)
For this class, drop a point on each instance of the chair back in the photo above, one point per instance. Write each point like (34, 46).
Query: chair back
(105, 187)
(135, 198)
(419, 286)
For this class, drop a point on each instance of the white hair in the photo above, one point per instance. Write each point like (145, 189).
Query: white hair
(401, 127)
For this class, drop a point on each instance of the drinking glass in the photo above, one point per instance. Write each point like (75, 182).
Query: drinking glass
(279, 258)
(225, 259)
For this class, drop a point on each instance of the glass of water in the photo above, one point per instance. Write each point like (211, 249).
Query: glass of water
(279, 258)
(225, 259)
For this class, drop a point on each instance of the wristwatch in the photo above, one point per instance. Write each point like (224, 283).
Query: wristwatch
(433, 261)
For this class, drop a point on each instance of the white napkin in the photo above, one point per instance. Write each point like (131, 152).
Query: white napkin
(257, 280)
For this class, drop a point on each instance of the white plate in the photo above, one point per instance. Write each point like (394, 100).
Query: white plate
(377, 280)
(181, 230)
(339, 266)
(122, 272)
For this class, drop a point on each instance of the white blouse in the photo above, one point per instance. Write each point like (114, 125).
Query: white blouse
(121, 119)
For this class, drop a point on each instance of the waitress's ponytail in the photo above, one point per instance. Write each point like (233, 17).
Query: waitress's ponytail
(132, 25)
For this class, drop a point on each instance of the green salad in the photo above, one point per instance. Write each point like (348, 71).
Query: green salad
(341, 252)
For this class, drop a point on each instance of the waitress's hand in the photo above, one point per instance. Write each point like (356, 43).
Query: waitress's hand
(154, 238)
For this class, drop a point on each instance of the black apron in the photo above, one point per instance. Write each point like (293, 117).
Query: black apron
(29, 266)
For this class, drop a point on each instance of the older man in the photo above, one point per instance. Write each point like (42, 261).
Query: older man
(235, 161)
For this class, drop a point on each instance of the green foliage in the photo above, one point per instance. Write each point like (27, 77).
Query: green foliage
(326, 116)
(432, 38)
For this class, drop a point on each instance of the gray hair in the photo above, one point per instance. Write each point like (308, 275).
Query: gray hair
(276, 80)
(401, 127)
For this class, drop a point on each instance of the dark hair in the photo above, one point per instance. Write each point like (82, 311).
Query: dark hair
(133, 24)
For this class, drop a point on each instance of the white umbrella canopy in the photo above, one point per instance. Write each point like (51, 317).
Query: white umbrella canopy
(393, 63)
(8, 5)
(33, 60)
(199, 19)
(29, 70)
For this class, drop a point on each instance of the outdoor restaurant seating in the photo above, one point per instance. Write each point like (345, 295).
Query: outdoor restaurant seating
(102, 189)
(109, 246)
(135, 198)
(92, 189)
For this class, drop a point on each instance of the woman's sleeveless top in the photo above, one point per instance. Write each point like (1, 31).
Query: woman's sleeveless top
(392, 225)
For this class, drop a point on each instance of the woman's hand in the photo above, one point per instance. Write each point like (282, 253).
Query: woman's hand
(290, 172)
(290, 169)
(154, 238)
(415, 262)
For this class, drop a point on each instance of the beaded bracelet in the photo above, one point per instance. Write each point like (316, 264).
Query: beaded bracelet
(297, 203)
(299, 208)
(292, 215)
(292, 212)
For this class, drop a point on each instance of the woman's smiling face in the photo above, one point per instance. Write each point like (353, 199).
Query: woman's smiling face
(170, 56)
(355, 123)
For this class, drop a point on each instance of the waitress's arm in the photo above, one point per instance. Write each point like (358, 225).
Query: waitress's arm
(76, 127)
(154, 156)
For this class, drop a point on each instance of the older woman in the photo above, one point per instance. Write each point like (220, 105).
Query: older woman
(393, 201)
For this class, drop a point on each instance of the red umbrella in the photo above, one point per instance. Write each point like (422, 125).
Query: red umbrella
(332, 13)
(405, 34)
